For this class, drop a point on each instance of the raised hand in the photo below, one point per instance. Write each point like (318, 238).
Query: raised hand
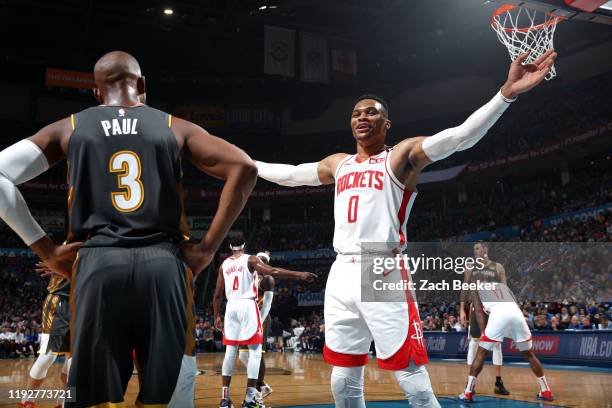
(523, 77)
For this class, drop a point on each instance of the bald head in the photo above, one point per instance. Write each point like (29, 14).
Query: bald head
(119, 80)
(116, 66)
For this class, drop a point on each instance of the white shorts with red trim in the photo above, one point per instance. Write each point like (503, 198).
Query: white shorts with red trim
(351, 325)
(505, 321)
(242, 324)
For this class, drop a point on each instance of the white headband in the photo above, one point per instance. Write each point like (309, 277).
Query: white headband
(236, 248)
(264, 255)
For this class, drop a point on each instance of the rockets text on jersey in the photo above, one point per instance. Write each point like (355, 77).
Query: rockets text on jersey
(371, 204)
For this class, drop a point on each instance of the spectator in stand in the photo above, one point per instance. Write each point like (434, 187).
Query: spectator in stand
(199, 336)
(585, 323)
(540, 323)
(33, 339)
(208, 337)
(6, 342)
(565, 318)
(555, 323)
(604, 323)
(574, 323)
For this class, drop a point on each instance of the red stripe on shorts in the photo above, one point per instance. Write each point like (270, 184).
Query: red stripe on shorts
(344, 360)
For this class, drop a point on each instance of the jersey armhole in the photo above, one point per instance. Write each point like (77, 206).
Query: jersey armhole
(342, 163)
(393, 177)
(73, 123)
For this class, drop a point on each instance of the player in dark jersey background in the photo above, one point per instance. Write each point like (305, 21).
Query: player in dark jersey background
(132, 279)
(491, 272)
(55, 337)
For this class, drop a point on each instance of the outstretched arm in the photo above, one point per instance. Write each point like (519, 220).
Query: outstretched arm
(307, 174)
(20, 163)
(419, 152)
(222, 160)
(255, 264)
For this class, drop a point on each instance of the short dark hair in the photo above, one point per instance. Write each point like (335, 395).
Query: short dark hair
(236, 241)
(376, 98)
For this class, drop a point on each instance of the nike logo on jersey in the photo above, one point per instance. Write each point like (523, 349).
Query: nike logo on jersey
(116, 127)
(360, 179)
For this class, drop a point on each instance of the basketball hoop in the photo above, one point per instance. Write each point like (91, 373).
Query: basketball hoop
(523, 30)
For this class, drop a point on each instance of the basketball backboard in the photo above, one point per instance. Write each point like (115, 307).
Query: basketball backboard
(596, 11)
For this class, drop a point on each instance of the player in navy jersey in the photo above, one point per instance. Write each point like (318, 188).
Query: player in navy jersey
(131, 283)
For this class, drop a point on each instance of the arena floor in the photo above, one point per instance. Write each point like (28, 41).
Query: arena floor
(302, 380)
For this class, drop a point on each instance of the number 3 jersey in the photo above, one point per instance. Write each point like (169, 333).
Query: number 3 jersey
(124, 173)
(371, 205)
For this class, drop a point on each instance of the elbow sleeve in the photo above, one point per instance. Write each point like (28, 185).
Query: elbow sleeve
(291, 176)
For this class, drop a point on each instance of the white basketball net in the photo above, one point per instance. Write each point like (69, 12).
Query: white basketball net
(522, 30)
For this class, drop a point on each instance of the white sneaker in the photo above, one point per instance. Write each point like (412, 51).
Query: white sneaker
(266, 390)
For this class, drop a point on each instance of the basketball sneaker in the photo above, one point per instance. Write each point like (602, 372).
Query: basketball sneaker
(500, 388)
(226, 403)
(545, 395)
(466, 397)
(256, 402)
(265, 390)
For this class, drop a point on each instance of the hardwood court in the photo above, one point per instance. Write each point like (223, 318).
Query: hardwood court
(308, 382)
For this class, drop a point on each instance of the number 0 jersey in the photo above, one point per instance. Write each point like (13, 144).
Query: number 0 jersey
(371, 205)
(125, 178)
(240, 282)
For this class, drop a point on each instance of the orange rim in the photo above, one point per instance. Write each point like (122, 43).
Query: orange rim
(553, 20)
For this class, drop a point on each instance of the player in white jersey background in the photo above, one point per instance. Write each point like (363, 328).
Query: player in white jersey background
(491, 272)
(237, 277)
(375, 189)
(506, 320)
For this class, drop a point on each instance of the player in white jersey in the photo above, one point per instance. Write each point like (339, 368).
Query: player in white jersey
(375, 190)
(242, 324)
(505, 320)
(490, 272)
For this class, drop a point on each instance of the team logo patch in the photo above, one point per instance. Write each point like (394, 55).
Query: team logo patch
(418, 335)
(121, 113)
(375, 161)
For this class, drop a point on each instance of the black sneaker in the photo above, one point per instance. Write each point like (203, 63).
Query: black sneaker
(500, 388)
(226, 403)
